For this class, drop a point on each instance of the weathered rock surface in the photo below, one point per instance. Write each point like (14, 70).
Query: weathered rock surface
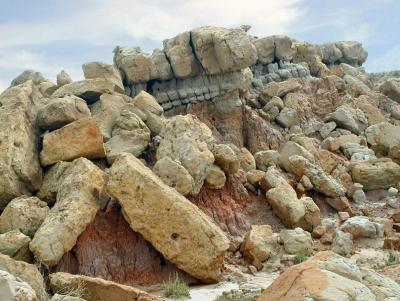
(63, 78)
(174, 175)
(102, 70)
(296, 242)
(81, 138)
(260, 243)
(24, 214)
(88, 89)
(186, 139)
(226, 158)
(375, 174)
(283, 199)
(361, 226)
(16, 245)
(321, 182)
(97, 289)
(19, 161)
(330, 277)
(78, 200)
(391, 88)
(342, 243)
(215, 177)
(384, 139)
(58, 297)
(13, 288)
(26, 272)
(178, 229)
(129, 134)
(61, 111)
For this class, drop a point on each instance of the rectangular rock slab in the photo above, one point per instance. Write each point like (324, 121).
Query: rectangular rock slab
(75, 208)
(97, 289)
(171, 223)
(81, 138)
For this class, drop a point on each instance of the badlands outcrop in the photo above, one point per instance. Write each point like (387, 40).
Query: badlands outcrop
(218, 157)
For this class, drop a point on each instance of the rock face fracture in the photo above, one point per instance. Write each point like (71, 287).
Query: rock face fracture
(214, 158)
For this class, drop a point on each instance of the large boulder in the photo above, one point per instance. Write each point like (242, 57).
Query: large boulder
(24, 214)
(14, 289)
(226, 158)
(330, 277)
(81, 138)
(181, 56)
(28, 75)
(129, 134)
(171, 223)
(321, 181)
(174, 175)
(61, 111)
(260, 243)
(103, 70)
(391, 88)
(96, 289)
(20, 171)
(222, 50)
(25, 272)
(375, 174)
(187, 140)
(78, 200)
(88, 89)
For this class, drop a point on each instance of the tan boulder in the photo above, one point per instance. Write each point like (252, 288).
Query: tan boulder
(171, 223)
(330, 277)
(16, 245)
(24, 214)
(375, 174)
(58, 297)
(372, 113)
(222, 50)
(289, 149)
(146, 102)
(187, 140)
(255, 176)
(321, 181)
(58, 112)
(96, 289)
(20, 169)
(384, 139)
(265, 159)
(260, 243)
(88, 89)
(391, 88)
(103, 70)
(181, 57)
(76, 206)
(26, 272)
(215, 177)
(283, 199)
(226, 158)
(280, 89)
(246, 159)
(296, 241)
(63, 78)
(174, 175)
(81, 138)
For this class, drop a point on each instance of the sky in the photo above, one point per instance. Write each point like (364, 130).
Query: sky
(54, 35)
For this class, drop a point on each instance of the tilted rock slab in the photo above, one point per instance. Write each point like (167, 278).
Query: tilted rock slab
(75, 208)
(13, 288)
(81, 138)
(171, 223)
(97, 289)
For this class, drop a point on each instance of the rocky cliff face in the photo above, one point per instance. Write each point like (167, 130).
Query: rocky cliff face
(218, 156)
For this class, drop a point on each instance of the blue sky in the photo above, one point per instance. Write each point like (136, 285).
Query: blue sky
(50, 35)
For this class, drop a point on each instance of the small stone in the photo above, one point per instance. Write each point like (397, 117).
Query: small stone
(343, 216)
(359, 196)
(342, 243)
(215, 177)
(318, 231)
(392, 192)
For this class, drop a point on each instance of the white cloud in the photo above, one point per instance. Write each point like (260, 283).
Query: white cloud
(387, 61)
(104, 22)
